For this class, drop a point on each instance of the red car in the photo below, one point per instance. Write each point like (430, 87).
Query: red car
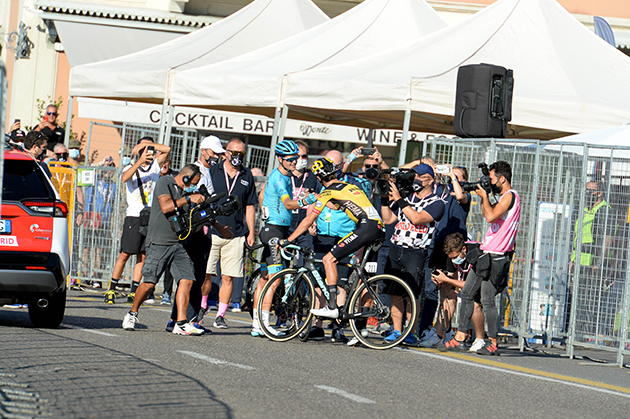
(34, 245)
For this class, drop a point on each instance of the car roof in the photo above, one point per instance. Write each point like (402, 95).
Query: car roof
(14, 153)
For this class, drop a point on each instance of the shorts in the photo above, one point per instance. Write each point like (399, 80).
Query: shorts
(132, 242)
(269, 236)
(230, 252)
(172, 256)
(367, 232)
(409, 265)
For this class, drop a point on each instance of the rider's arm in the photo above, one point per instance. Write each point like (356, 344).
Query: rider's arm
(304, 225)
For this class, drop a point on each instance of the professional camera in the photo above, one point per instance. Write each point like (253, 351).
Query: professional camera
(203, 214)
(403, 179)
(484, 181)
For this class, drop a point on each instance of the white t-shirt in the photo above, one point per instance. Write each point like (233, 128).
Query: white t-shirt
(205, 177)
(149, 176)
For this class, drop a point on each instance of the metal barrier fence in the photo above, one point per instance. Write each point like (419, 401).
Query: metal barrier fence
(554, 298)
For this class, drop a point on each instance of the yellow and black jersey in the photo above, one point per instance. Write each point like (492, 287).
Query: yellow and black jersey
(349, 198)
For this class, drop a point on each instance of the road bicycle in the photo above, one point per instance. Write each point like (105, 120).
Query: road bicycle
(295, 292)
(251, 281)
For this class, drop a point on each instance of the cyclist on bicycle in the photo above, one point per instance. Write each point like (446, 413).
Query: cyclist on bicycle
(354, 202)
(277, 205)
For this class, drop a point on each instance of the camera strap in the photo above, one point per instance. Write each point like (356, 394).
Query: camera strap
(144, 199)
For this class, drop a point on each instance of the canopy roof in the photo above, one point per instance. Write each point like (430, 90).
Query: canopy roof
(145, 75)
(253, 81)
(566, 79)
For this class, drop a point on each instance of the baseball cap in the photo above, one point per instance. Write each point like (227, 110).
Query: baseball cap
(213, 143)
(17, 136)
(424, 169)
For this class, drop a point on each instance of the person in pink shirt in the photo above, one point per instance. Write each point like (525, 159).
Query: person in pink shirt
(491, 265)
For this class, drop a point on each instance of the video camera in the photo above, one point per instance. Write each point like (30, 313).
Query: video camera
(484, 181)
(205, 213)
(403, 179)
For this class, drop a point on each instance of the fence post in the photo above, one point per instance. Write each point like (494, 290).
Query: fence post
(625, 307)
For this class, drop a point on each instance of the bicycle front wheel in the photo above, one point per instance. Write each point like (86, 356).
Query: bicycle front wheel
(373, 307)
(250, 287)
(292, 298)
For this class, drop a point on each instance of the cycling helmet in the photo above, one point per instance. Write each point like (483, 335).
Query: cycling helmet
(324, 169)
(286, 148)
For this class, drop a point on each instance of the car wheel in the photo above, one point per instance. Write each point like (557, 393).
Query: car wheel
(50, 316)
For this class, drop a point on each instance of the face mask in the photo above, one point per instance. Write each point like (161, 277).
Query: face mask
(190, 189)
(372, 173)
(458, 260)
(301, 164)
(236, 161)
(212, 160)
(124, 161)
(417, 185)
(42, 155)
(73, 153)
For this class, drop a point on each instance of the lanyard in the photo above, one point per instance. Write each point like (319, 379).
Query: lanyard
(227, 182)
(299, 191)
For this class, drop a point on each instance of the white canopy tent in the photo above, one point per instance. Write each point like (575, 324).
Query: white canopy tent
(253, 81)
(608, 139)
(145, 76)
(566, 79)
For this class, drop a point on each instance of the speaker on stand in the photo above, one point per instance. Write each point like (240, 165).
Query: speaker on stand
(483, 101)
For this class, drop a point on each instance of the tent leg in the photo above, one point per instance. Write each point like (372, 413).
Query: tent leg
(279, 124)
(163, 120)
(405, 135)
(66, 139)
(169, 126)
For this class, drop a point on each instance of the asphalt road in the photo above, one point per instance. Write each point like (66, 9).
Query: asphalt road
(91, 367)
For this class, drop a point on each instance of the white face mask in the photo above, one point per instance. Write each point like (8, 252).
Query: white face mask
(73, 153)
(301, 164)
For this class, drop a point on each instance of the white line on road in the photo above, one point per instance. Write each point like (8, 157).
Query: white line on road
(98, 332)
(216, 361)
(519, 373)
(345, 394)
(231, 319)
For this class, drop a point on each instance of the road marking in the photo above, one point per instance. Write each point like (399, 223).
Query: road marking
(526, 372)
(345, 394)
(216, 361)
(98, 332)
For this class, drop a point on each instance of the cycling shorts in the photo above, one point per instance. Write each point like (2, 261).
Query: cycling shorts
(270, 234)
(367, 232)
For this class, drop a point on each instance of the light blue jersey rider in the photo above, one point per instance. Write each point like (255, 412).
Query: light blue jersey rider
(278, 189)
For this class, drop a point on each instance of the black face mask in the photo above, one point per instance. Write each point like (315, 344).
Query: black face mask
(496, 189)
(417, 185)
(372, 173)
(212, 160)
(236, 161)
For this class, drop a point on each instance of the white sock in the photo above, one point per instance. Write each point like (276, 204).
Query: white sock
(265, 317)
(255, 320)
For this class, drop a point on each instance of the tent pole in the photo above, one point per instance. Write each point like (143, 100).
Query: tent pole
(162, 120)
(169, 126)
(405, 134)
(66, 138)
(274, 139)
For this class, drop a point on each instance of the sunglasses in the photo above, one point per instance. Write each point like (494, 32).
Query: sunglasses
(291, 159)
(237, 153)
(51, 113)
(372, 166)
(62, 155)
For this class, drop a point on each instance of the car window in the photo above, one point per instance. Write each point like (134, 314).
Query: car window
(24, 180)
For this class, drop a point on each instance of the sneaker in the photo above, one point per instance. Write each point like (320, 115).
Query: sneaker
(96, 284)
(212, 305)
(392, 336)
(131, 297)
(338, 336)
(454, 345)
(410, 340)
(129, 322)
(187, 329)
(449, 335)
(429, 338)
(14, 306)
(353, 341)
(110, 297)
(170, 326)
(236, 308)
(477, 344)
(220, 323)
(316, 333)
(490, 349)
(326, 312)
(166, 299)
(257, 333)
(199, 326)
(149, 300)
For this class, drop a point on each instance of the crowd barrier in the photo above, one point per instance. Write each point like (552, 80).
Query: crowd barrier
(549, 299)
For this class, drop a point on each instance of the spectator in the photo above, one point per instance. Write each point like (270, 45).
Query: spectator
(143, 174)
(166, 170)
(60, 153)
(49, 127)
(15, 134)
(232, 178)
(35, 143)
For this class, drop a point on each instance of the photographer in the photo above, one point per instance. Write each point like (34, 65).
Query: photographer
(164, 249)
(492, 269)
(140, 179)
(416, 218)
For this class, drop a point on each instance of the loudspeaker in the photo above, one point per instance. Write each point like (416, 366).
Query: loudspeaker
(483, 102)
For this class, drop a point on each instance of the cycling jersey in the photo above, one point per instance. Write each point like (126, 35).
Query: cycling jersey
(349, 198)
(278, 189)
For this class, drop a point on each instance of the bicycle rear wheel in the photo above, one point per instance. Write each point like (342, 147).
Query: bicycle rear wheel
(292, 301)
(250, 286)
(374, 323)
